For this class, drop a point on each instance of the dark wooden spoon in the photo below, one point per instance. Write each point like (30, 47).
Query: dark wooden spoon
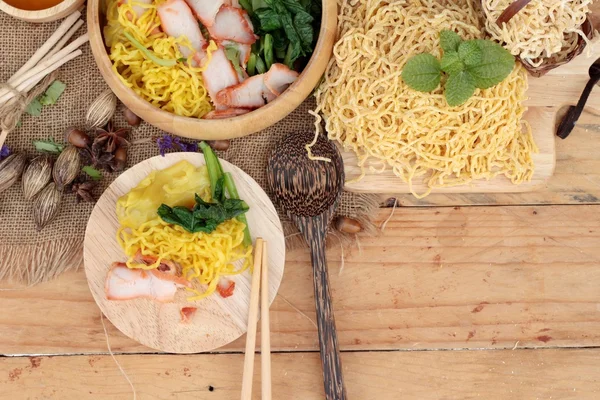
(310, 192)
(568, 122)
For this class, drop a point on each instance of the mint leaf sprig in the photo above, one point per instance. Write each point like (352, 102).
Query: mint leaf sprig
(469, 65)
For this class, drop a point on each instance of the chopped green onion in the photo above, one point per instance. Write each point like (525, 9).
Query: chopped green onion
(148, 53)
(251, 67)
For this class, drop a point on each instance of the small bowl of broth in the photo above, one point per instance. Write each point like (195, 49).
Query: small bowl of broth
(39, 10)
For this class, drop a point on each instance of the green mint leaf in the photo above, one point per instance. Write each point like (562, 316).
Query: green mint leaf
(48, 146)
(449, 40)
(92, 172)
(451, 62)
(495, 65)
(53, 93)
(459, 87)
(470, 52)
(422, 72)
(34, 108)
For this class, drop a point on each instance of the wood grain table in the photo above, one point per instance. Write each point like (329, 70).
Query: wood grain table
(509, 283)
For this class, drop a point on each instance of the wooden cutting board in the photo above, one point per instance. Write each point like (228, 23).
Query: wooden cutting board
(547, 95)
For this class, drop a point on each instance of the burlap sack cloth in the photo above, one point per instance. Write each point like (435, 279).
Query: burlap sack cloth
(31, 256)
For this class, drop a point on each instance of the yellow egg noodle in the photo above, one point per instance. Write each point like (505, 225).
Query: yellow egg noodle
(178, 89)
(371, 111)
(542, 29)
(204, 258)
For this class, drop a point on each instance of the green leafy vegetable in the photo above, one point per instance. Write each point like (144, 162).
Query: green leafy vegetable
(251, 67)
(293, 25)
(451, 62)
(495, 65)
(48, 146)
(217, 180)
(34, 108)
(149, 54)
(204, 217)
(233, 55)
(470, 52)
(449, 40)
(470, 64)
(269, 19)
(268, 50)
(92, 172)
(52, 94)
(261, 68)
(422, 72)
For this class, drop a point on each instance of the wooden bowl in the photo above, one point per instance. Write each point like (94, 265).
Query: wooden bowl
(49, 14)
(224, 128)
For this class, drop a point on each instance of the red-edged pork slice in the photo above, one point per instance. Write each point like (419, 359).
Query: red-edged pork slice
(137, 9)
(176, 20)
(279, 77)
(218, 75)
(226, 113)
(244, 49)
(206, 10)
(248, 94)
(123, 283)
(232, 24)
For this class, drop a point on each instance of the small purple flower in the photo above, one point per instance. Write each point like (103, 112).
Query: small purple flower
(4, 152)
(186, 146)
(168, 142)
(164, 143)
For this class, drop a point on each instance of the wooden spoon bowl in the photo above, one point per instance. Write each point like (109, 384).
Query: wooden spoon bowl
(224, 128)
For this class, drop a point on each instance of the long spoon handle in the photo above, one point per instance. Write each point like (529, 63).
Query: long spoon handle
(328, 343)
(568, 122)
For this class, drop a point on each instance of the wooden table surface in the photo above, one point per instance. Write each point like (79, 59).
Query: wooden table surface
(510, 283)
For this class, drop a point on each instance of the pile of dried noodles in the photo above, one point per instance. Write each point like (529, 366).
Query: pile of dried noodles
(370, 110)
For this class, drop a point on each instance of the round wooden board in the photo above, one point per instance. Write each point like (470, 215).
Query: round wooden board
(218, 321)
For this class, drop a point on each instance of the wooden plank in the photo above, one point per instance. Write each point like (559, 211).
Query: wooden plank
(470, 277)
(491, 375)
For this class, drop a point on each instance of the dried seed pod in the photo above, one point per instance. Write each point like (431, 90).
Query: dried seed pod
(46, 206)
(78, 138)
(101, 110)
(120, 160)
(36, 176)
(347, 225)
(131, 118)
(219, 145)
(66, 168)
(11, 169)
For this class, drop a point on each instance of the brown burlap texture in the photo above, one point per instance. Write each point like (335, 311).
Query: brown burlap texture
(31, 256)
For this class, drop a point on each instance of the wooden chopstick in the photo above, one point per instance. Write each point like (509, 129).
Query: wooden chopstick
(265, 329)
(252, 322)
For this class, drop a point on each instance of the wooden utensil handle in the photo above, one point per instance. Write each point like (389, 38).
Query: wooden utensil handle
(570, 119)
(328, 343)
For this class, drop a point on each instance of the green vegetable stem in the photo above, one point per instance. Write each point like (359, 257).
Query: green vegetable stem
(469, 65)
(153, 57)
(219, 179)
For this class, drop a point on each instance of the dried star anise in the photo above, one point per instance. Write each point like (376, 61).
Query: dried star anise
(83, 191)
(97, 156)
(112, 137)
